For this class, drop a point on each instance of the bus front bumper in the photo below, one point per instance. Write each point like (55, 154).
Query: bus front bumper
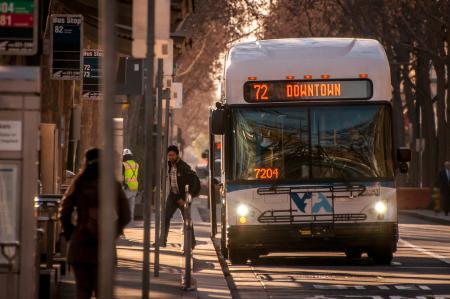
(313, 237)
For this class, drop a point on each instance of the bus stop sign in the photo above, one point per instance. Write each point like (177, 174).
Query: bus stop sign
(67, 44)
(92, 74)
(18, 27)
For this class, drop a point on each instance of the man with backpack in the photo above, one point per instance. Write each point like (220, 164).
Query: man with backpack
(180, 175)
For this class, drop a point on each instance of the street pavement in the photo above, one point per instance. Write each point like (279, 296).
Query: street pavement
(429, 215)
(420, 269)
(207, 272)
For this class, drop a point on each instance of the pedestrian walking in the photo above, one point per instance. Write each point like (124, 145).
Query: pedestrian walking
(81, 202)
(444, 186)
(180, 175)
(130, 172)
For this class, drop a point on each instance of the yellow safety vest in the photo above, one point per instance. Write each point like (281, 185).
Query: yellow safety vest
(130, 176)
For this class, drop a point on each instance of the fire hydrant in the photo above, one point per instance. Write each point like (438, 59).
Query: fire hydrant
(436, 197)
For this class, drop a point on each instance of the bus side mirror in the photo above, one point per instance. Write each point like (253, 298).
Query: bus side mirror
(218, 120)
(403, 157)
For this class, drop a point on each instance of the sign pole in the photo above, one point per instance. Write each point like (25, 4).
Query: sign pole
(420, 149)
(108, 192)
(164, 165)
(158, 166)
(212, 185)
(149, 128)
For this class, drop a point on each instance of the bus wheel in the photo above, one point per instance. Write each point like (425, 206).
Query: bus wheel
(353, 253)
(382, 256)
(237, 257)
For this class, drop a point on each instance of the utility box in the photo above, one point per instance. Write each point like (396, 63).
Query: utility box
(118, 147)
(19, 131)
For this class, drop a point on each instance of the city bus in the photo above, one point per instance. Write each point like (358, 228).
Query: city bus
(308, 159)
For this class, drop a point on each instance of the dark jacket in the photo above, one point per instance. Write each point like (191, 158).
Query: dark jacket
(184, 175)
(83, 195)
(444, 183)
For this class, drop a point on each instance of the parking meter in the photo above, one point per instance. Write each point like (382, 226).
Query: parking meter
(19, 125)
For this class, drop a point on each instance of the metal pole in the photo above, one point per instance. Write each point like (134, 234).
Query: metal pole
(158, 166)
(164, 168)
(420, 148)
(172, 139)
(187, 241)
(108, 196)
(212, 193)
(148, 155)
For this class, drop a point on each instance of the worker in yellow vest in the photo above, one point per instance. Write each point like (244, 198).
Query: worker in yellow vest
(130, 171)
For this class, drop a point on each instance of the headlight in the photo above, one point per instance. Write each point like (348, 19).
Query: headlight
(242, 210)
(380, 207)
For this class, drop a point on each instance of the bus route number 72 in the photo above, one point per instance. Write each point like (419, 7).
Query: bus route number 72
(261, 92)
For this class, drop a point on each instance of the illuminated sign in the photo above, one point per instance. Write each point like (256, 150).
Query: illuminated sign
(266, 173)
(297, 90)
(18, 27)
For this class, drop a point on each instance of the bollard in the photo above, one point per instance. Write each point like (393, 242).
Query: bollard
(187, 277)
(436, 197)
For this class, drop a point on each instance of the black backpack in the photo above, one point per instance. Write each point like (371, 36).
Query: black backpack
(194, 184)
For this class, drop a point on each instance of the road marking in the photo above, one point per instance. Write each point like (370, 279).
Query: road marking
(424, 251)
(368, 287)
(377, 297)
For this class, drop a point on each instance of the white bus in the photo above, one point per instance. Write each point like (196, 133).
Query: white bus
(308, 155)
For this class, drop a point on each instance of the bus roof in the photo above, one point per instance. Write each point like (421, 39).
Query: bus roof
(341, 58)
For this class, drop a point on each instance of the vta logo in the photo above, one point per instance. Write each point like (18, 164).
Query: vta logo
(301, 203)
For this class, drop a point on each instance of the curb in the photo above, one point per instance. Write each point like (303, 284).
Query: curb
(425, 217)
(226, 271)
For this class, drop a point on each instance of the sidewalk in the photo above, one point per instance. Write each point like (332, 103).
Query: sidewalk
(207, 271)
(428, 215)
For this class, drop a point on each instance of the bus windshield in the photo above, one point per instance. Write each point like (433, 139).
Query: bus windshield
(351, 142)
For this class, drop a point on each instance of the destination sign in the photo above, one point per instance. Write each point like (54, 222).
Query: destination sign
(18, 27)
(297, 90)
(92, 77)
(67, 40)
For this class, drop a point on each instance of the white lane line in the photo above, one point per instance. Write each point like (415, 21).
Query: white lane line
(424, 251)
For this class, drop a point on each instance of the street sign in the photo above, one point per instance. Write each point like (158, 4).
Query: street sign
(130, 76)
(10, 135)
(176, 95)
(140, 23)
(67, 43)
(164, 50)
(18, 27)
(92, 78)
(420, 145)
